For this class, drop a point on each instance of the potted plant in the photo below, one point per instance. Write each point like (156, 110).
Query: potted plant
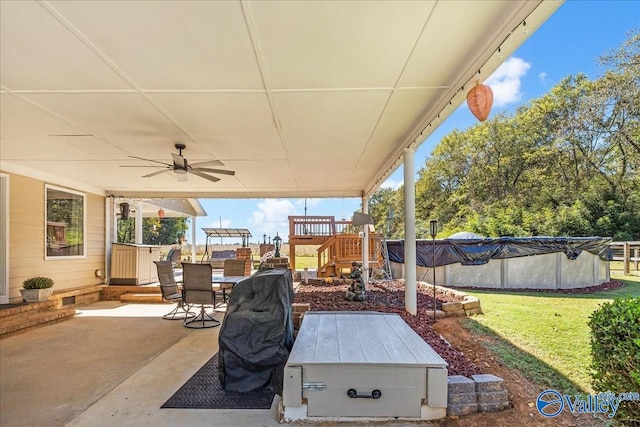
(37, 289)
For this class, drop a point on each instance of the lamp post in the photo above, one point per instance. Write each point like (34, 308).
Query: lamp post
(433, 231)
(277, 241)
(264, 237)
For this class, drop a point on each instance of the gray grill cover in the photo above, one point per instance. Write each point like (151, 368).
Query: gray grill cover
(257, 333)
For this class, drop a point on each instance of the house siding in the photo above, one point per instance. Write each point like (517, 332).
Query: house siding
(27, 240)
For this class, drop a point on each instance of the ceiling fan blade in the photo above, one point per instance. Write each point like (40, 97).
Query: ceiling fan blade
(206, 164)
(142, 166)
(205, 176)
(179, 160)
(156, 173)
(219, 171)
(149, 160)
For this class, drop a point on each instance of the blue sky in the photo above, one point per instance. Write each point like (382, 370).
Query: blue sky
(568, 43)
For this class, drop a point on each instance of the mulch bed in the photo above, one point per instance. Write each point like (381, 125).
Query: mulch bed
(388, 297)
(606, 286)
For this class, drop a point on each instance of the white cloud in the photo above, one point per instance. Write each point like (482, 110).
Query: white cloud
(505, 81)
(391, 183)
(543, 78)
(271, 217)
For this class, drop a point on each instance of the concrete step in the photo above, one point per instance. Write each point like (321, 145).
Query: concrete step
(30, 319)
(141, 298)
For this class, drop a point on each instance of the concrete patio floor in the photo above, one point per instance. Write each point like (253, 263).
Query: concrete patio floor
(113, 364)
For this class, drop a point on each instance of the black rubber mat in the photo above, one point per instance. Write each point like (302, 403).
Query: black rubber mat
(204, 391)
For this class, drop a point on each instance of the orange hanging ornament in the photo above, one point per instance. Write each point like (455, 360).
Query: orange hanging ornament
(161, 214)
(480, 100)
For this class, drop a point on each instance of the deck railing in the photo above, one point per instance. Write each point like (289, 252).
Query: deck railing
(627, 252)
(317, 226)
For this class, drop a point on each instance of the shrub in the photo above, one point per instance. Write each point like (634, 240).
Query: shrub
(615, 347)
(37, 283)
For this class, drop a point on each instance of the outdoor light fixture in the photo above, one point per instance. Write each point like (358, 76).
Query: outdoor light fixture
(480, 100)
(264, 236)
(433, 231)
(244, 240)
(160, 213)
(278, 242)
(124, 210)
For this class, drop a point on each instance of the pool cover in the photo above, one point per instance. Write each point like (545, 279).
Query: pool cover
(480, 251)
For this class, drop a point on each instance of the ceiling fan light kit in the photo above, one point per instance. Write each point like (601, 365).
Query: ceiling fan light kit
(182, 168)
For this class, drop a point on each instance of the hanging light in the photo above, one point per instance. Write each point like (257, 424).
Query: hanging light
(480, 100)
(160, 213)
(124, 210)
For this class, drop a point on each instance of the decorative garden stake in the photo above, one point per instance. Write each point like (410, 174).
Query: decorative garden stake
(480, 100)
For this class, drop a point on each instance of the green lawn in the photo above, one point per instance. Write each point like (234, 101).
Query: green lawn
(545, 335)
(306, 261)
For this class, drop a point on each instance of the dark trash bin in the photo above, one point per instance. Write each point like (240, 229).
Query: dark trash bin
(257, 333)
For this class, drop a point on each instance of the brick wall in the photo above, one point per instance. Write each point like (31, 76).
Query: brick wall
(246, 254)
(266, 247)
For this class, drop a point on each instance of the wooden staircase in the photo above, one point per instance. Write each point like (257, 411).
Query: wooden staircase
(337, 254)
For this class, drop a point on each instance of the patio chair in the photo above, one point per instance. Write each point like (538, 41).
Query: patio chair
(174, 255)
(198, 290)
(170, 292)
(232, 267)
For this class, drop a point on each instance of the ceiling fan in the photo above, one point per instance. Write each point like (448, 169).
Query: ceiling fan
(181, 167)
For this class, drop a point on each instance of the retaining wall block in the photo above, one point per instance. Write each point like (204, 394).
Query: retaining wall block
(451, 306)
(460, 384)
(493, 397)
(439, 314)
(461, 397)
(458, 410)
(473, 311)
(456, 313)
(488, 382)
(470, 302)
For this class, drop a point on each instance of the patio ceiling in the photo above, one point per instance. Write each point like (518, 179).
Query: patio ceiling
(301, 99)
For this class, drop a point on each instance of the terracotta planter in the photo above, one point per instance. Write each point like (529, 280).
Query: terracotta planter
(35, 295)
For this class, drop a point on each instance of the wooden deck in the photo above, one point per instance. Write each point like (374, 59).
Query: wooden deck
(339, 240)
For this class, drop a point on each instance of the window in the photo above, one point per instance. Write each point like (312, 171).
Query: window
(65, 223)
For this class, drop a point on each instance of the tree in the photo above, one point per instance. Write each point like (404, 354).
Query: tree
(567, 163)
(155, 231)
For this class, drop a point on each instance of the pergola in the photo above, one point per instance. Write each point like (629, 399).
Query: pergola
(300, 99)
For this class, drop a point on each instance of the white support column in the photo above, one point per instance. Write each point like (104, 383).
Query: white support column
(110, 224)
(410, 290)
(139, 223)
(193, 239)
(365, 242)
